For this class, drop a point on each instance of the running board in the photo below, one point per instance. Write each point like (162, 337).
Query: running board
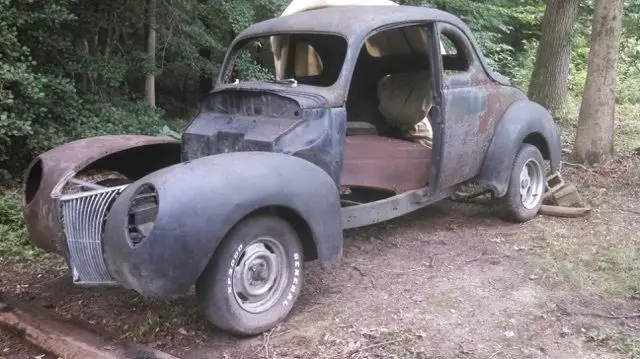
(390, 208)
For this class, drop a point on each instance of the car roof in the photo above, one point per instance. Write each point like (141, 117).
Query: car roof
(350, 21)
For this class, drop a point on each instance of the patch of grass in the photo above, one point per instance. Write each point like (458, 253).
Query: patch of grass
(618, 268)
(405, 343)
(598, 254)
(614, 340)
(169, 316)
(609, 270)
(182, 314)
(396, 343)
(14, 238)
(150, 324)
(627, 130)
(550, 268)
(626, 127)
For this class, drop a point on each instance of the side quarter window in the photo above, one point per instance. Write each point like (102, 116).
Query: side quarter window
(458, 59)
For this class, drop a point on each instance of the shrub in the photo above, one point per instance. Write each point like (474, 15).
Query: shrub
(14, 238)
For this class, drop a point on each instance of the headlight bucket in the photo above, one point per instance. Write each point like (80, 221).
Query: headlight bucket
(142, 214)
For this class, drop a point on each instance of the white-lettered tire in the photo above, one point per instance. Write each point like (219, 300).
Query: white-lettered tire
(527, 185)
(255, 276)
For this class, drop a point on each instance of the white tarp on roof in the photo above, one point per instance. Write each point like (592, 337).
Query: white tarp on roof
(390, 42)
(405, 99)
(304, 5)
(280, 46)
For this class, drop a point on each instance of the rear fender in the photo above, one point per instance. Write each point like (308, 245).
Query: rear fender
(201, 200)
(47, 175)
(523, 122)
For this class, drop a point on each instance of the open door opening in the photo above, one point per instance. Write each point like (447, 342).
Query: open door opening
(390, 137)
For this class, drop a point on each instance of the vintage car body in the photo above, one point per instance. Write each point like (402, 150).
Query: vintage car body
(304, 153)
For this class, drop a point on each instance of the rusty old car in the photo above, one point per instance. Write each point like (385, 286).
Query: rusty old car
(319, 121)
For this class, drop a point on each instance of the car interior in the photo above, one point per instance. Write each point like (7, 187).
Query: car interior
(389, 137)
(388, 145)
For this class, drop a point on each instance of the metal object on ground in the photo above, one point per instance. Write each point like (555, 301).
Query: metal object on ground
(562, 199)
(562, 194)
(555, 181)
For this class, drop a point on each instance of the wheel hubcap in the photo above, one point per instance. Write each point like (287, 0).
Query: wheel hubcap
(531, 184)
(260, 275)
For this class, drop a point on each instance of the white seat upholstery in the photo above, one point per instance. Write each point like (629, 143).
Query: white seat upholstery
(405, 101)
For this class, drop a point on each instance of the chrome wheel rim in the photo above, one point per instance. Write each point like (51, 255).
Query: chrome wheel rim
(531, 184)
(260, 275)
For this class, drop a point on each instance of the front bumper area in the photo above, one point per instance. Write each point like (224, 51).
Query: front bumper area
(82, 217)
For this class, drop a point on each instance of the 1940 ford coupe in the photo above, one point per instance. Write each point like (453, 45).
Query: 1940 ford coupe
(321, 120)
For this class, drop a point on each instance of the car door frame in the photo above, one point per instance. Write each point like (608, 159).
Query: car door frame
(433, 56)
(465, 99)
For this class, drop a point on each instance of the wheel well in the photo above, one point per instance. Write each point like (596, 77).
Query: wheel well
(137, 162)
(32, 181)
(536, 139)
(299, 225)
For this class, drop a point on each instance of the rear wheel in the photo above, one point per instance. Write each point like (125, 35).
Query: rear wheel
(254, 277)
(527, 185)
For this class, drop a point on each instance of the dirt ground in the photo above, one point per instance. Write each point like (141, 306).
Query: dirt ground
(12, 346)
(450, 281)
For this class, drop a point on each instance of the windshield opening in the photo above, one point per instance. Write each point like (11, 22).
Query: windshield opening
(309, 59)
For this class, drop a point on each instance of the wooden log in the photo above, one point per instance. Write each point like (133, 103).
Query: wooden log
(567, 212)
(65, 338)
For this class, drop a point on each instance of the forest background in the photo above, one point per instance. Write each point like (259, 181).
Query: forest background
(71, 69)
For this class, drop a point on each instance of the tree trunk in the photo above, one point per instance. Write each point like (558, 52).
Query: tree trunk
(594, 137)
(150, 81)
(550, 75)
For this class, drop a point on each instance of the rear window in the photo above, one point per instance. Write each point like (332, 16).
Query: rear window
(310, 59)
(401, 41)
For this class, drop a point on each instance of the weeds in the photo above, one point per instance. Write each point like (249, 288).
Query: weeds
(608, 270)
(627, 129)
(619, 268)
(149, 325)
(392, 343)
(169, 316)
(614, 340)
(14, 238)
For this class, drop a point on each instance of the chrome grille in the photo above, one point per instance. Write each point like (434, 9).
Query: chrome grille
(83, 217)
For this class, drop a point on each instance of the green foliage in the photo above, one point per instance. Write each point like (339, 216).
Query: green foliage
(71, 68)
(615, 340)
(101, 119)
(168, 132)
(523, 64)
(502, 27)
(14, 240)
(249, 70)
(628, 68)
(28, 98)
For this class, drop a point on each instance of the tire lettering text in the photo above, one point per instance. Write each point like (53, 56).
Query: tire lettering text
(231, 267)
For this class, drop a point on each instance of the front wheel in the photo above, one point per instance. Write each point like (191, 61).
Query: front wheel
(527, 185)
(254, 277)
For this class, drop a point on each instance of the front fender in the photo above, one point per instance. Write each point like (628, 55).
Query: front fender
(133, 156)
(201, 200)
(524, 121)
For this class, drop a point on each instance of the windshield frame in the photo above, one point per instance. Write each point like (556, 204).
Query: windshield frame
(238, 44)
